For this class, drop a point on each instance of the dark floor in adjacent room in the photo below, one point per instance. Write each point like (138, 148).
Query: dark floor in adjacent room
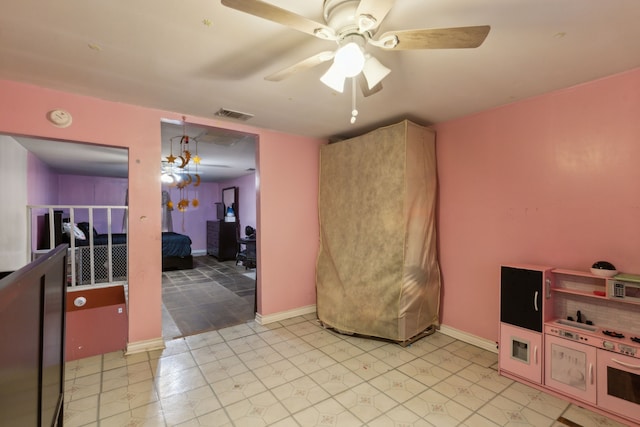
(213, 295)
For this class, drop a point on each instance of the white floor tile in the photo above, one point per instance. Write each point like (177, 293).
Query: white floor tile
(336, 379)
(437, 408)
(399, 416)
(537, 400)
(312, 361)
(259, 410)
(221, 369)
(295, 373)
(398, 386)
(505, 412)
(425, 372)
(586, 418)
(367, 366)
(192, 404)
(327, 413)
(464, 392)
(300, 393)
(237, 388)
(365, 402)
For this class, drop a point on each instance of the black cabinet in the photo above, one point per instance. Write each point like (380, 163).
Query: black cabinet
(521, 296)
(222, 240)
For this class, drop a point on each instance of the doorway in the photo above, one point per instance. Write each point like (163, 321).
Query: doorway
(217, 292)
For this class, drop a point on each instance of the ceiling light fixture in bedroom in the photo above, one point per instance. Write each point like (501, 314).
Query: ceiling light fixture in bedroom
(349, 61)
(352, 62)
(176, 170)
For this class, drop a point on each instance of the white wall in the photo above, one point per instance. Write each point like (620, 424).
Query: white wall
(13, 227)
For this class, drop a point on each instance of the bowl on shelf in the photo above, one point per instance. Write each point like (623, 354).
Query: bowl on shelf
(603, 273)
(603, 269)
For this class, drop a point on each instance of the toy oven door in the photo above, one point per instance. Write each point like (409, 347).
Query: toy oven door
(570, 368)
(619, 383)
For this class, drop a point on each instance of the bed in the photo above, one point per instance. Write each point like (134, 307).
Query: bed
(176, 250)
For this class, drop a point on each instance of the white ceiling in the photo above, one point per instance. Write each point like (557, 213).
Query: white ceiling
(225, 154)
(195, 57)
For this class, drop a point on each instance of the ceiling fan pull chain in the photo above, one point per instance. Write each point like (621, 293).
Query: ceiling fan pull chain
(354, 110)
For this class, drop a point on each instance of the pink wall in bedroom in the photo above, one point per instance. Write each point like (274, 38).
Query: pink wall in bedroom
(287, 188)
(553, 180)
(288, 176)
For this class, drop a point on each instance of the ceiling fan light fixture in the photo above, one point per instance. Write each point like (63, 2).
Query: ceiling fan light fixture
(350, 59)
(386, 42)
(366, 22)
(323, 33)
(334, 78)
(374, 72)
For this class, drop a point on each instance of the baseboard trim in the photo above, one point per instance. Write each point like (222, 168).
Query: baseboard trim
(446, 330)
(199, 252)
(142, 346)
(283, 315)
(468, 338)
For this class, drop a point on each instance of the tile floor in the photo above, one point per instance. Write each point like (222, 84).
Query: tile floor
(212, 295)
(295, 373)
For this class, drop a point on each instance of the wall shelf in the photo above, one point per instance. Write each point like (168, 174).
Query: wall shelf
(577, 273)
(572, 282)
(576, 292)
(582, 283)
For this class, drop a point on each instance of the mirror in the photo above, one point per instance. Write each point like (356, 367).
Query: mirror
(230, 200)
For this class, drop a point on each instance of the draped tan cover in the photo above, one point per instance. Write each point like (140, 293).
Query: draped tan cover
(377, 271)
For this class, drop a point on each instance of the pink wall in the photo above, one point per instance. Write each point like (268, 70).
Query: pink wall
(553, 180)
(23, 111)
(287, 186)
(288, 167)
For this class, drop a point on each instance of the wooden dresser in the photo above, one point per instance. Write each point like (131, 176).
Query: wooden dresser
(221, 239)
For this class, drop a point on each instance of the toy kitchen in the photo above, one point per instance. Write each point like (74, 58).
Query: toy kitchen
(574, 334)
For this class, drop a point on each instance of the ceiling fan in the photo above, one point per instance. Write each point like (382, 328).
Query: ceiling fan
(352, 24)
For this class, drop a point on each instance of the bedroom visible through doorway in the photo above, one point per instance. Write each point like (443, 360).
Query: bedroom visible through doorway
(215, 293)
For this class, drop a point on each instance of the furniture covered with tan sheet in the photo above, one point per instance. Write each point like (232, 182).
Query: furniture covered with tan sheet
(377, 271)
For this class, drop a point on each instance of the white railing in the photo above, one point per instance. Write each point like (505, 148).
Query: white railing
(90, 264)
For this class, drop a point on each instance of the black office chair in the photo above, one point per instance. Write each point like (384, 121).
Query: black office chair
(247, 256)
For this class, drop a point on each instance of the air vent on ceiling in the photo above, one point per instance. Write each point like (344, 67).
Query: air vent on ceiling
(231, 114)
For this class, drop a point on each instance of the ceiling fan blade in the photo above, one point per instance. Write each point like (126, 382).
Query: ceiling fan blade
(364, 87)
(377, 9)
(282, 16)
(303, 65)
(439, 38)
